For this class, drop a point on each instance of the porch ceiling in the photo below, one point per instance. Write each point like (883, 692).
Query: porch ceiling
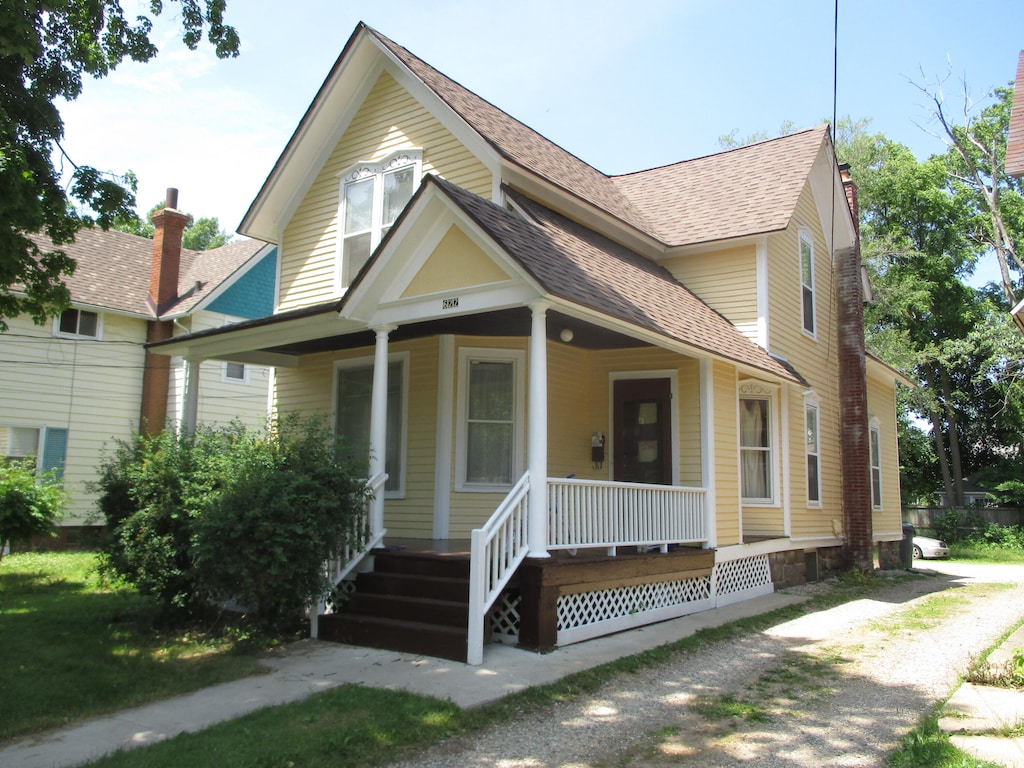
(506, 322)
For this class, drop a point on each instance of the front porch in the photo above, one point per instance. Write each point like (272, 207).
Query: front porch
(617, 556)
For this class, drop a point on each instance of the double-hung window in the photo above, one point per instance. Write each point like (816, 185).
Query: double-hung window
(353, 398)
(875, 450)
(372, 197)
(807, 279)
(811, 426)
(235, 372)
(757, 445)
(79, 323)
(491, 407)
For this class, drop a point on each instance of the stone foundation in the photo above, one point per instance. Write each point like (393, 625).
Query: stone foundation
(799, 566)
(889, 555)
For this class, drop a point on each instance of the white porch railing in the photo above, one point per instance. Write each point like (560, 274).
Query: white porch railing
(597, 513)
(497, 550)
(360, 540)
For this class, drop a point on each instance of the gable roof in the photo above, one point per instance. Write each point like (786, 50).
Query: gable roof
(1015, 139)
(751, 190)
(112, 270)
(754, 188)
(574, 263)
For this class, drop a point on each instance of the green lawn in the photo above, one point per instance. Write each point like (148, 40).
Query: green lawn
(74, 648)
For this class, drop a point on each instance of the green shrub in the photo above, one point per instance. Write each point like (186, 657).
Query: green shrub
(229, 514)
(286, 506)
(30, 505)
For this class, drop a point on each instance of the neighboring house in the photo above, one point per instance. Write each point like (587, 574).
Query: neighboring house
(71, 387)
(628, 397)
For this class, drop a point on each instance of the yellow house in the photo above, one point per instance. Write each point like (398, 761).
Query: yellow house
(589, 402)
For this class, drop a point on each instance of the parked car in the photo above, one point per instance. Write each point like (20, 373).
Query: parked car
(926, 548)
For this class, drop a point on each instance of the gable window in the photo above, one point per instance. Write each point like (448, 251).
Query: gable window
(491, 410)
(807, 279)
(811, 425)
(757, 450)
(875, 449)
(353, 395)
(372, 197)
(78, 322)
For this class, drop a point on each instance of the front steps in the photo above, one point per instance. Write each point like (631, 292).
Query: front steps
(412, 602)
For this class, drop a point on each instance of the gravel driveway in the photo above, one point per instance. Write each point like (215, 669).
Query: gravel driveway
(835, 688)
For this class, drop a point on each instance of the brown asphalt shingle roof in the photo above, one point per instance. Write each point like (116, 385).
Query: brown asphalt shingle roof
(1015, 139)
(747, 191)
(113, 269)
(581, 266)
(752, 190)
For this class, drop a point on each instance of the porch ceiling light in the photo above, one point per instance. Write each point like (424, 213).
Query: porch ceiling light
(566, 335)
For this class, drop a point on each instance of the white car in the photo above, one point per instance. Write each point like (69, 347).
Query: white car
(929, 548)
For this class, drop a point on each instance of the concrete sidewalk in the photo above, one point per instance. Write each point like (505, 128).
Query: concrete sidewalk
(311, 666)
(977, 717)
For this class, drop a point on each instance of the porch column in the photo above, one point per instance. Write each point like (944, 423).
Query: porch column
(190, 397)
(379, 421)
(537, 433)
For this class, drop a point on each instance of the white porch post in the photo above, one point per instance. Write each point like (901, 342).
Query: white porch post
(379, 421)
(707, 449)
(537, 434)
(190, 397)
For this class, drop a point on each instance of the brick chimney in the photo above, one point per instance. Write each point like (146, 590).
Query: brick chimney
(165, 266)
(853, 395)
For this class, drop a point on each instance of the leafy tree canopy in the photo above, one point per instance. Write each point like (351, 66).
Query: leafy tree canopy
(200, 234)
(47, 49)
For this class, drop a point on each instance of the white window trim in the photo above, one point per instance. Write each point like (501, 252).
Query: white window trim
(804, 236)
(875, 437)
(362, 170)
(811, 401)
(231, 379)
(57, 332)
(468, 355)
(364, 362)
(759, 390)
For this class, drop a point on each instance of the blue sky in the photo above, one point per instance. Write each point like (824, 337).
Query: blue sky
(623, 85)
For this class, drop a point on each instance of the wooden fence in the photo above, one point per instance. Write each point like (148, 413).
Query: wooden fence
(969, 519)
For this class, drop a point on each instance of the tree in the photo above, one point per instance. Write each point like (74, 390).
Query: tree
(199, 235)
(976, 161)
(46, 50)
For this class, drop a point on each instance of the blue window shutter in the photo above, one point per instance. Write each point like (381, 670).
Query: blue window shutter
(55, 443)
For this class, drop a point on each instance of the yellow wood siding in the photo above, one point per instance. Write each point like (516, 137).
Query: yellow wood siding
(455, 263)
(389, 119)
(727, 485)
(816, 359)
(91, 388)
(887, 521)
(726, 280)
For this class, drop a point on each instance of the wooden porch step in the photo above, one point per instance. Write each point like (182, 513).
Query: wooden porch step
(411, 602)
(395, 635)
(422, 609)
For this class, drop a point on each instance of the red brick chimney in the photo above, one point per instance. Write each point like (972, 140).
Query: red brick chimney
(168, 223)
(853, 395)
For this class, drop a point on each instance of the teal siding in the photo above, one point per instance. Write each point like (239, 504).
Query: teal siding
(252, 295)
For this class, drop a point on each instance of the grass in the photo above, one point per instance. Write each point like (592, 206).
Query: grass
(974, 552)
(84, 648)
(928, 746)
(74, 648)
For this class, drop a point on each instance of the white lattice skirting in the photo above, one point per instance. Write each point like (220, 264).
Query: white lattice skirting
(587, 615)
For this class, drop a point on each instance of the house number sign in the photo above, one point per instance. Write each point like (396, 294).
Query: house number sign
(452, 303)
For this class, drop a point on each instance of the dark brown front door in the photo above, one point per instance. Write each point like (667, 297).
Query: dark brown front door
(643, 434)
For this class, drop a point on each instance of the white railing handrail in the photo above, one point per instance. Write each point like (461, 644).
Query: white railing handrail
(608, 514)
(357, 546)
(496, 551)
